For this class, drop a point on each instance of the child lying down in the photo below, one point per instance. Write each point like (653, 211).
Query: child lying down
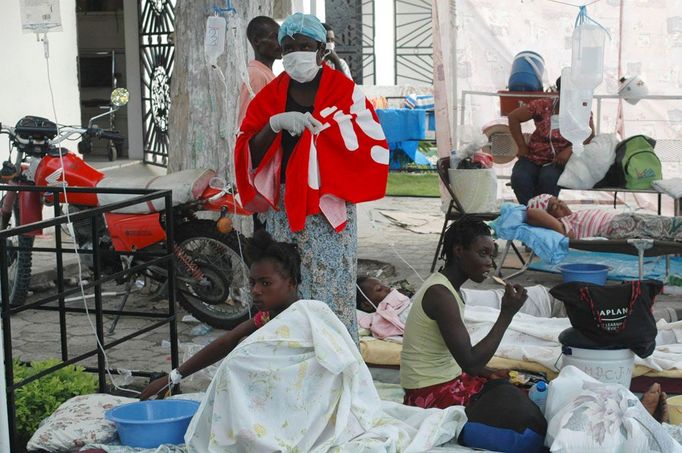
(549, 212)
(383, 311)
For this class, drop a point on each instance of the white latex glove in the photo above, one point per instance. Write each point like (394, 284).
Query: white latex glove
(294, 122)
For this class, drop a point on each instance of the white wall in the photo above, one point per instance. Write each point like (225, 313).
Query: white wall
(23, 79)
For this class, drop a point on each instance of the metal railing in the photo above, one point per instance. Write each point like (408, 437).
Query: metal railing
(93, 216)
(598, 98)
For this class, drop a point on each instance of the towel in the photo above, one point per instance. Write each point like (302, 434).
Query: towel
(402, 124)
(549, 245)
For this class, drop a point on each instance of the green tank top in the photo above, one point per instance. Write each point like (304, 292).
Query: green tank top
(425, 359)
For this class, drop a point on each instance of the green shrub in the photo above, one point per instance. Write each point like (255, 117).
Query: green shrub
(40, 398)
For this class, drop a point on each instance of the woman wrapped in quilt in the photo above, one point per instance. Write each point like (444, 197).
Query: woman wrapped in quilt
(274, 278)
(549, 212)
(307, 139)
(297, 382)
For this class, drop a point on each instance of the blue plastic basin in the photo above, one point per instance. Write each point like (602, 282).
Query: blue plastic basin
(583, 272)
(148, 424)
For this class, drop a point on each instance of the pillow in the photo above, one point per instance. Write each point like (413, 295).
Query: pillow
(584, 414)
(502, 418)
(548, 244)
(78, 422)
(585, 170)
(512, 216)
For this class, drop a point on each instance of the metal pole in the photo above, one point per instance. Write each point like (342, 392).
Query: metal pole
(170, 265)
(453, 66)
(60, 280)
(7, 411)
(99, 322)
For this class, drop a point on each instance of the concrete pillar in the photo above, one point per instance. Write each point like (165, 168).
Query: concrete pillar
(134, 78)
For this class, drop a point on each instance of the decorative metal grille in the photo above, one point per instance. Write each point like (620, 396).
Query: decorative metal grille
(346, 18)
(157, 52)
(413, 42)
(368, 59)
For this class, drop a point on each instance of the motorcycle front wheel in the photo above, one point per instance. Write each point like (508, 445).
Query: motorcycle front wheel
(212, 278)
(19, 262)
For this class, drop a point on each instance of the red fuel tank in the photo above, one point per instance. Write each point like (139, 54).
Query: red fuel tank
(78, 174)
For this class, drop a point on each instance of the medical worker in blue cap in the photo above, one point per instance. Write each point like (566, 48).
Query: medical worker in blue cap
(329, 258)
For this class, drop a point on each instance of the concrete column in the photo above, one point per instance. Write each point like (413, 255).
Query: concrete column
(134, 78)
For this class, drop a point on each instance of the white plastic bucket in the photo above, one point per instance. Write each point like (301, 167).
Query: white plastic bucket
(608, 366)
(476, 189)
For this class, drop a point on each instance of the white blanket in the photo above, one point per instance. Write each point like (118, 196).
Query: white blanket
(299, 383)
(535, 339)
(585, 170)
(672, 186)
(589, 416)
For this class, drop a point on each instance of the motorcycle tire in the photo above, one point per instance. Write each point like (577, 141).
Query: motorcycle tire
(221, 299)
(19, 263)
(112, 152)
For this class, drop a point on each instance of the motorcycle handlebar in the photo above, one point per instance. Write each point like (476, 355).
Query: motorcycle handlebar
(104, 134)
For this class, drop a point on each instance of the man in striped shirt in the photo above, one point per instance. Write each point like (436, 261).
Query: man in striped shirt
(549, 212)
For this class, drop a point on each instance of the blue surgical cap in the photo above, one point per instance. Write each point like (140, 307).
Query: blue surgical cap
(302, 24)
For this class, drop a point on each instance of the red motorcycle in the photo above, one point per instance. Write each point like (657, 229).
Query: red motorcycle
(211, 274)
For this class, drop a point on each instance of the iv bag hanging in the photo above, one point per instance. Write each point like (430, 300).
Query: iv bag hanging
(587, 59)
(214, 40)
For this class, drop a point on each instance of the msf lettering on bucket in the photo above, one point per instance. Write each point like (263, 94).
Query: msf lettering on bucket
(606, 374)
(611, 319)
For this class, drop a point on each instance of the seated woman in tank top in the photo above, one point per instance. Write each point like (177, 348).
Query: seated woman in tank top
(439, 367)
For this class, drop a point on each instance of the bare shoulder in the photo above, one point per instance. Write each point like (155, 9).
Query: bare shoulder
(436, 300)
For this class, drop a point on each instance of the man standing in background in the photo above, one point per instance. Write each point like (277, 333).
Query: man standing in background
(262, 34)
(331, 57)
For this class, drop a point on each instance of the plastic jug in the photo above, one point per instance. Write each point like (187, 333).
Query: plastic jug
(587, 59)
(575, 107)
(527, 72)
(538, 395)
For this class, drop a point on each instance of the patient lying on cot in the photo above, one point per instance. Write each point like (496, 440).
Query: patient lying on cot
(549, 212)
(372, 293)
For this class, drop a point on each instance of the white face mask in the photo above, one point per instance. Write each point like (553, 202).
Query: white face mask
(301, 66)
(330, 46)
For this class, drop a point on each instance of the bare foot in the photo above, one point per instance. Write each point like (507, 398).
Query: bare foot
(654, 401)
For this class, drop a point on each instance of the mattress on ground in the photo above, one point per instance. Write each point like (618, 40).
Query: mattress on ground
(387, 353)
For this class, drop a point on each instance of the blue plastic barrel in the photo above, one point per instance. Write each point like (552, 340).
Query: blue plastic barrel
(583, 272)
(526, 72)
(148, 424)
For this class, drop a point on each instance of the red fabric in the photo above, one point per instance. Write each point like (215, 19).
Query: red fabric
(351, 175)
(261, 318)
(539, 149)
(456, 392)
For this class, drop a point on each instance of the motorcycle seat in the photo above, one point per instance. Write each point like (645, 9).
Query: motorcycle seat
(187, 185)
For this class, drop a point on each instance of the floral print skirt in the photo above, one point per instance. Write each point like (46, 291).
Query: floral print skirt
(328, 260)
(456, 392)
(640, 226)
